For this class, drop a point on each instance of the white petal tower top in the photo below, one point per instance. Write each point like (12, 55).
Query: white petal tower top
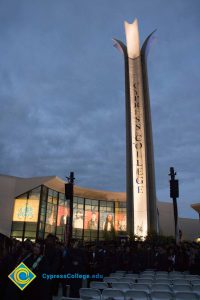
(132, 39)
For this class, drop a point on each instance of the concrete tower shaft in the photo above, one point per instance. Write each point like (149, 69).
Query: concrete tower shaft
(140, 173)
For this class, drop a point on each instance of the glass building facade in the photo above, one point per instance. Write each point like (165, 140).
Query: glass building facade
(42, 211)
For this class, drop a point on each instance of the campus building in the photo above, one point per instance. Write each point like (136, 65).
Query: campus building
(34, 207)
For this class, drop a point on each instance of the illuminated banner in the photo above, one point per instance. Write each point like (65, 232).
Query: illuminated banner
(107, 221)
(78, 218)
(51, 214)
(91, 220)
(120, 221)
(26, 210)
(63, 213)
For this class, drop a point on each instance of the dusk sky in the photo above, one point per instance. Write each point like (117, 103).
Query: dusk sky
(62, 91)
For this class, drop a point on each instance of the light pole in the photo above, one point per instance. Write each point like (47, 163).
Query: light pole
(174, 194)
(69, 194)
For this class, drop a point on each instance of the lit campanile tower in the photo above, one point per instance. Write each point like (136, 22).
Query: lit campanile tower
(140, 173)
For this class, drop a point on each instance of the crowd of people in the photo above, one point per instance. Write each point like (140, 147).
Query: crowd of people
(104, 257)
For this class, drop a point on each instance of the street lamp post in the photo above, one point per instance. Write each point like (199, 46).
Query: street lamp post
(174, 194)
(69, 194)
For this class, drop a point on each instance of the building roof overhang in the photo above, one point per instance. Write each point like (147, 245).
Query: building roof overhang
(196, 207)
(24, 185)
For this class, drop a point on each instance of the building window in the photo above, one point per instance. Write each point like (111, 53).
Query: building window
(43, 209)
(107, 221)
(51, 212)
(91, 219)
(63, 216)
(120, 216)
(25, 215)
